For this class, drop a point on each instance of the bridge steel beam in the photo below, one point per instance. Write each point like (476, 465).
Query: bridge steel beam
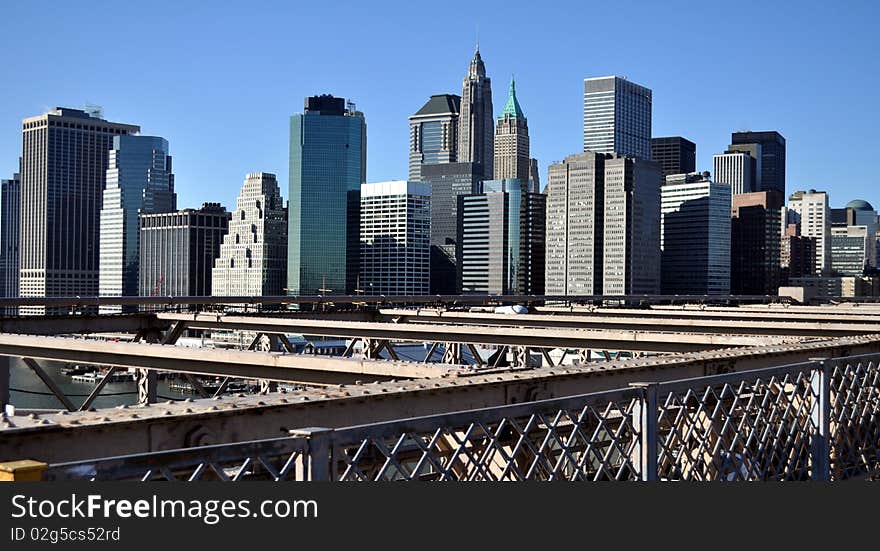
(83, 435)
(294, 368)
(86, 323)
(459, 334)
(647, 323)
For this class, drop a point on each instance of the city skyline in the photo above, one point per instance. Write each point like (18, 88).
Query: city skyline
(790, 100)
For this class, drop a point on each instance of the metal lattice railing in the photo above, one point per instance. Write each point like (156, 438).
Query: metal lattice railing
(854, 417)
(734, 428)
(274, 459)
(591, 437)
(817, 420)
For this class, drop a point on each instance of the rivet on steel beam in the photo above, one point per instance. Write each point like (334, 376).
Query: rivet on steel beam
(166, 412)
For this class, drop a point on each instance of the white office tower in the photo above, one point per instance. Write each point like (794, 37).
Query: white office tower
(395, 238)
(736, 169)
(810, 209)
(253, 255)
(617, 117)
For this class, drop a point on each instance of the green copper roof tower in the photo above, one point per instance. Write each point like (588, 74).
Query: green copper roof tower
(512, 142)
(512, 107)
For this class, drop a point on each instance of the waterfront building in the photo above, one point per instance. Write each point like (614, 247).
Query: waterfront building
(754, 243)
(476, 137)
(10, 220)
(675, 154)
(617, 117)
(771, 152)
(809, 209)
(433, 134)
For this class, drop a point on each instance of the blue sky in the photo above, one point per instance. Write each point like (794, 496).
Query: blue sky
(220, 83)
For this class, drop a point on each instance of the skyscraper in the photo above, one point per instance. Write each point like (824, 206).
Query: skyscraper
(10, 219)
(860, 213)
(617, 117)
(328, 148)
(772, 152)
(433, 134)
(603, 226)
(754, 243)
(849, 250)
(447, 182)
(253, 255)
(177, 250)
(139, 181)
(512, 159)
(797, 254)
(810, 210)
(395, 238)
(501, 235)
(675, 154)
(65, 155)
(695, 236)
(476, 129)
(736, 169)
(534, 176)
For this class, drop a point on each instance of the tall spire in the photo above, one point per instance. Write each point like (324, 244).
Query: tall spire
(477, 68)
(512, 106)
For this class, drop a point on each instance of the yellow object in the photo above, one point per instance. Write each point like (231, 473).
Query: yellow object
(25, 470)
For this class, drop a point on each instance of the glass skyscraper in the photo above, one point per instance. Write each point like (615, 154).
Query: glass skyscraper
(617, 117)
(328, 146)
(500, 242)
(433, 134)
(695, 236)
(139, 181)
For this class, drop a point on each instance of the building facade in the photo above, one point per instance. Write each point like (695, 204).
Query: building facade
(253, 255)
(695, 236)
(754, 243)
(849, 250)
(675, 154)
(772, 155)
(860, 213)
(476, 137)
(433, 134)
(447, 182)
(10, 220)
(177, 250)
(395, 238)
(65, 156)
(798, 254)
(501, 240)
(736, 169)
(809, 209)
(617, 117)
(603, 226)
(512, 159)
(328, 162)
(139, 181)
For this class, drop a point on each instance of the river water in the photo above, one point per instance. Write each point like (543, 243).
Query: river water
(23, 381)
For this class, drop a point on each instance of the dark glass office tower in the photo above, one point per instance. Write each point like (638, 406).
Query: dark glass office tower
(772, 150)
(328, 164)
(675, 154)
(433, 134)
(10, 219)
(500, 241)
(448, 181)
(755, 243)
